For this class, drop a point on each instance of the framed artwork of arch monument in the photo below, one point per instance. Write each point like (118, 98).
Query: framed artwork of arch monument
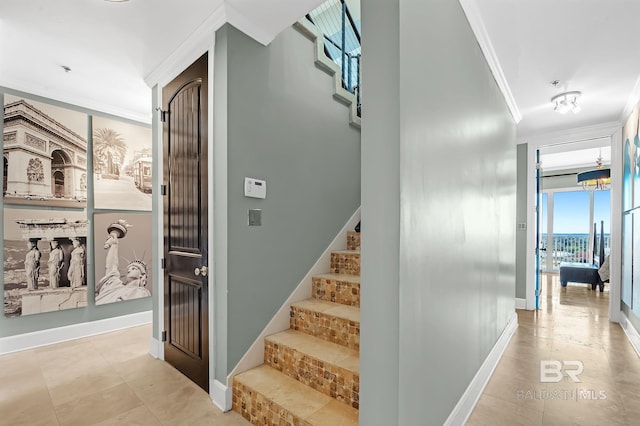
(45, 154)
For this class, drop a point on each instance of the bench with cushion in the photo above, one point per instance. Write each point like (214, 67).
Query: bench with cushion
(580, 273)
(584, 272)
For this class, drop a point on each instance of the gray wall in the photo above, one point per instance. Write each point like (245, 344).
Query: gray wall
(454, 157)
(283, 126)
(45, 321)
(380, 246)
(521, 217)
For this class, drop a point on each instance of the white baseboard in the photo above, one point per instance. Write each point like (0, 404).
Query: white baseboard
(221, 395)
(521, 303)
(467, 403)
(280, 321)
(156, 348)
(631, 332)
(70, 332)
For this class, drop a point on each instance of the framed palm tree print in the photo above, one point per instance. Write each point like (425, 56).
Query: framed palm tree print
(122, 165)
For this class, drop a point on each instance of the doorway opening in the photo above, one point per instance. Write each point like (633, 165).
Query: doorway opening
(59, 163)
(573, 228)
(58, 184)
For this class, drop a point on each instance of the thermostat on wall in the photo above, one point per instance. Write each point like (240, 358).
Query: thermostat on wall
(255, 188)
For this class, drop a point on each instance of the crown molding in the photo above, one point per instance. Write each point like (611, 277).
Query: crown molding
(189, 51)
(10, 86)
(632, 101)
(247, 26)
(470, 9)
(199, 42)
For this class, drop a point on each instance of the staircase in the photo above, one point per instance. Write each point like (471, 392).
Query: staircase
(311, 372)
(348, 95)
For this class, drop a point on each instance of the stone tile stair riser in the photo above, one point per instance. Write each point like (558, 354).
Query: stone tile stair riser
(353, 240)
(342, 292)
(338, 383)
(326, 327)
(345, 263)
(260, 410)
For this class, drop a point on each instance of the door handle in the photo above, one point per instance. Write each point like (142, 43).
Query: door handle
(203, 270)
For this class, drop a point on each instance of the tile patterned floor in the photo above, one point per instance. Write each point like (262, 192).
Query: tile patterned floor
(102, 380)
(111, 380)
(572, 324)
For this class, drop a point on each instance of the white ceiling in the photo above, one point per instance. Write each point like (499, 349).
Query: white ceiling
(574, 155)
(581, 158)
(112, 47)
(589, 45)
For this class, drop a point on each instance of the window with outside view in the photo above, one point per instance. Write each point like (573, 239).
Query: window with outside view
(571, 237)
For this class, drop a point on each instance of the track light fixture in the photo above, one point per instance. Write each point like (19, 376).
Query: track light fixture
(565, 102)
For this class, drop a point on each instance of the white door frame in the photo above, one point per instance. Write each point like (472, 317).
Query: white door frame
(205, 43)
(612, 131)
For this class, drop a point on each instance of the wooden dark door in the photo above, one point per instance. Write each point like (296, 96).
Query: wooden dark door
(185, 223)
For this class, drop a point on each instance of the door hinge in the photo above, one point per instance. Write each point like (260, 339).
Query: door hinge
(163, 263)
(163, 189)
(163, 336)
(163, 114)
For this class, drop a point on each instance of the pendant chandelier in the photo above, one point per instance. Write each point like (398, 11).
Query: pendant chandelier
(600, 178)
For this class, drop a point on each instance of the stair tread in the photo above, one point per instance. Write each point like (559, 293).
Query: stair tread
(340, 277)
(297, 398)
(350, 313)
(346, 252)
(330, 353)
(334, 413)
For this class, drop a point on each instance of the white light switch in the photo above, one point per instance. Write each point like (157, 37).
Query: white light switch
(255, 188)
